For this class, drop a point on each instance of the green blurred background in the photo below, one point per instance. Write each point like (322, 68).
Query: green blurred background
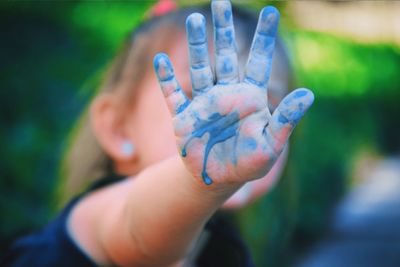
(52, 55)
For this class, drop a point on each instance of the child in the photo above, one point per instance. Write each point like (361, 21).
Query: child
(224, 131)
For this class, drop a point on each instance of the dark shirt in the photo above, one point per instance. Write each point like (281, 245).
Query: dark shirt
(53, 247)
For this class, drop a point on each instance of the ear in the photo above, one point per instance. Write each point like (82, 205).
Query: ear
(108, 127)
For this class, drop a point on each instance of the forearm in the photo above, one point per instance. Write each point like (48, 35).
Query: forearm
(165, 211)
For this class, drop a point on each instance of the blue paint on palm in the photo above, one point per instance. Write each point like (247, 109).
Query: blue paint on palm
(220, 128)
(250, 143)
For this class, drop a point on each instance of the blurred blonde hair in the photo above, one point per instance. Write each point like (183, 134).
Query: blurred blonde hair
(85, 161)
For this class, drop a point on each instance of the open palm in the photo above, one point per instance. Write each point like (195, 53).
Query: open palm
(226, 133)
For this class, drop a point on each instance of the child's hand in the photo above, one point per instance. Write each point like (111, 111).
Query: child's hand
(226, 133)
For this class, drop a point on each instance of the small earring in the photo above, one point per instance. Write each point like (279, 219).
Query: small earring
(127, 148)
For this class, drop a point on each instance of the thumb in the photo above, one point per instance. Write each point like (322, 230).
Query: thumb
(286, 116)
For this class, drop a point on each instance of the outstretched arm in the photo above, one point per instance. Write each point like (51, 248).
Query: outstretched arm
(151, 220)
(226, 137)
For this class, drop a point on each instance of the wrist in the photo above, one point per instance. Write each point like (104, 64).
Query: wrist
(215, 190)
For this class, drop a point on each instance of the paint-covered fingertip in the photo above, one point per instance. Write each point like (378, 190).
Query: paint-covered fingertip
(294, 106)
(269, 20)
(306, 94)
(160, 59)
(270, 10)
(226, 2)
(163, 67)
(196, 28)
(222, 13)
(195, 19)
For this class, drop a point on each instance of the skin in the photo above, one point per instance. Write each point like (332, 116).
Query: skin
(226, 133)
(225, 136)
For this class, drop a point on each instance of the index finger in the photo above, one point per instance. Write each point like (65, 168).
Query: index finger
(258, 67)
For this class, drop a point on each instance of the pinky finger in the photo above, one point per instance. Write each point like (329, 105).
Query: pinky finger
(176, 99)
(286, 116)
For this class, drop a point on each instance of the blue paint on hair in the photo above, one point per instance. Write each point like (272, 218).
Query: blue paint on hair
(220, 128)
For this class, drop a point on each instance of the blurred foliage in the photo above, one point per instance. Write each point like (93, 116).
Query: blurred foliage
(353, 69)
(50, 52)
(357, 91)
